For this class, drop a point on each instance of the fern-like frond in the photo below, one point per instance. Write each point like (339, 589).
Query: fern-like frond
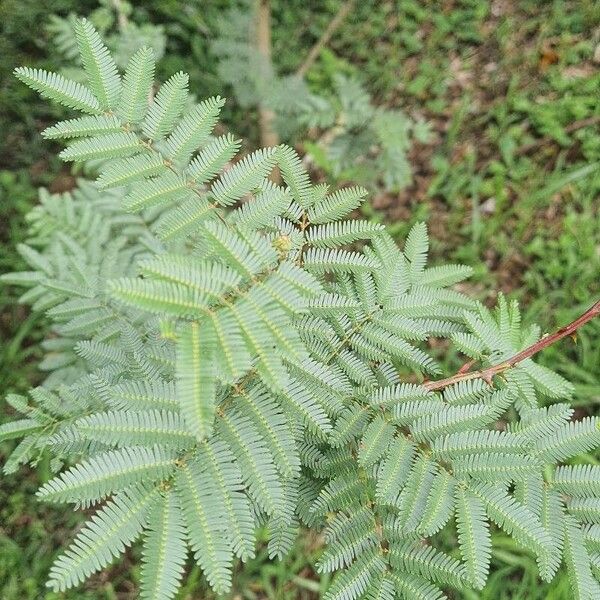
(105, 536)
(341, 233)
(427, 562)
(19, 428)
(139, 428)
(109, 145)
(269, 202)
(495, 466)
(166, 107)
(552, 516)
(478, 441)
(159, 190)
(336, 205)
(144, 394)
(137, 85)
(193, 130)
(445, 275)
(347, 536)
(83, 127)
(124, 171)
(195, 380)
(440, 504)
(255, 461)
(206, 529)
(375, 441)
(159, 297)
(353, 582)
(243, 177)
(577, 560)
(107, 473)
(393, 472)
(473, 536)
(415, 250)
(578, 480)
(64, 91)
(294, 175)
(572, 438)
(321, 260)
(514, 518)
(411, 587)
(164, 550)
(223, 470)
(100, 68)
(213, 157)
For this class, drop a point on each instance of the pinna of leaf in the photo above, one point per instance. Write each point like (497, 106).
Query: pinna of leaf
(205, 381)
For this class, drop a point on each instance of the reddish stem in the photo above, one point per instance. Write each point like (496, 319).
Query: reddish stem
(466, 367)
(488, 374)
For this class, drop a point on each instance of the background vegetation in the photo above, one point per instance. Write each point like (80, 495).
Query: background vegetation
(507, 177)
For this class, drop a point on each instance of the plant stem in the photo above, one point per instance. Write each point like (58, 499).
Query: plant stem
(314, 52)
(122, 20)
(488, 373)
(268, 135)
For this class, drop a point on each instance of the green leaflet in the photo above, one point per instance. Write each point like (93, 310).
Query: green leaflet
(100, 68)
(127, 170)
(166, 107)
(108, 472)
(223, 471)
(140, 428)
(354, 581)
(193, 130)
(61, 90)
(157, 190)
(213, 157)
(440, 504)
(195, 380)
(109, 145)
(336, 205)
(578, 480)
(394, 470)
(514, 518)
(348, 535)
(104, 536)
(473, 536)
(19, 428)
(165, 550)
(137, 85)
(570, 439)
(83, 126)
(341, 232)
(257, 466)
(294, 175)
(161, 297)
(415, 249)
(243, 177)
(428, 562)
(375, 442)
(205, 527)
(583, 584)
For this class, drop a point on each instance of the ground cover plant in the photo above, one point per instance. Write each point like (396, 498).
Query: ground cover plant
(219, 365)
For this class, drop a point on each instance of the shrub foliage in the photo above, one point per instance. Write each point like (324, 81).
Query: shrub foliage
(229, 353)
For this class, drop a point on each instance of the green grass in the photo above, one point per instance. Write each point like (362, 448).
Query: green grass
(529, 222)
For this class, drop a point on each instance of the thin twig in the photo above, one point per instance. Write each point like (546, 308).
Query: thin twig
(314, 52)
(466, 367)
(122, 20)
(266, 116)
(490, 372)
